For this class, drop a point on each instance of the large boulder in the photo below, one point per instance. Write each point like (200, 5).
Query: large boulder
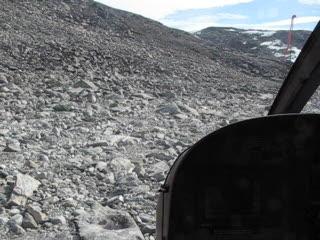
(108, 224)
(24, 187)
(169, 108)
(121, 167)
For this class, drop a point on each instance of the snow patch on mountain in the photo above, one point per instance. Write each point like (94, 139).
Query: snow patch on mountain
(264, 43)
(278, 48)
(260, 32)
(274, 45)
(295, 53)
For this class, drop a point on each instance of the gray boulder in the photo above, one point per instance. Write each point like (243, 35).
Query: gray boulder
(29, 222)
(85, 84)
(108, 224)
(13, 146)
(24, 187)
(159, 170)
(169, 108)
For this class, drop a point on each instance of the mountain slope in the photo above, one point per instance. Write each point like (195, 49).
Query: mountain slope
(60, 27)
(266, 44)
(65, 27)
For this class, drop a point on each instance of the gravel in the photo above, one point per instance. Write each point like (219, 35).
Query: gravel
(95, 106)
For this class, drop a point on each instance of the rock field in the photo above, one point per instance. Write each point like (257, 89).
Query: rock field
(96, 104)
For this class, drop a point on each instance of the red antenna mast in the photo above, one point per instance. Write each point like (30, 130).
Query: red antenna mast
(289, 43)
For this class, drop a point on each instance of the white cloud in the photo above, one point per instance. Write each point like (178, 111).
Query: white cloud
(310, 2)
(230, 16)
(201, 22)
(192, 24)
(271, 12)
(282, 24)
(159, 9)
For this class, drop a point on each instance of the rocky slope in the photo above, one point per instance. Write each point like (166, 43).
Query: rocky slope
(95, 105)
(262, 43)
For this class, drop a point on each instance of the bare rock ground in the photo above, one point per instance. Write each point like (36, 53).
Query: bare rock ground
(96, 104)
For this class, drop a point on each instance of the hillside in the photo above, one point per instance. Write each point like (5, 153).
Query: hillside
(96, 104)
(265, 44)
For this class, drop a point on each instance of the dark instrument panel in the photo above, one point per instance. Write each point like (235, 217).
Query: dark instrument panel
(261, 186)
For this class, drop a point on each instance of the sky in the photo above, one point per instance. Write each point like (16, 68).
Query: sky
(194, 15)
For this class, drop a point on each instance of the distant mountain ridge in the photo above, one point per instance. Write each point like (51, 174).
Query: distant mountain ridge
(263, 43)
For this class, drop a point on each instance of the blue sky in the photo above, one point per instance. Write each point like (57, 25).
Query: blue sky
(193, 15)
